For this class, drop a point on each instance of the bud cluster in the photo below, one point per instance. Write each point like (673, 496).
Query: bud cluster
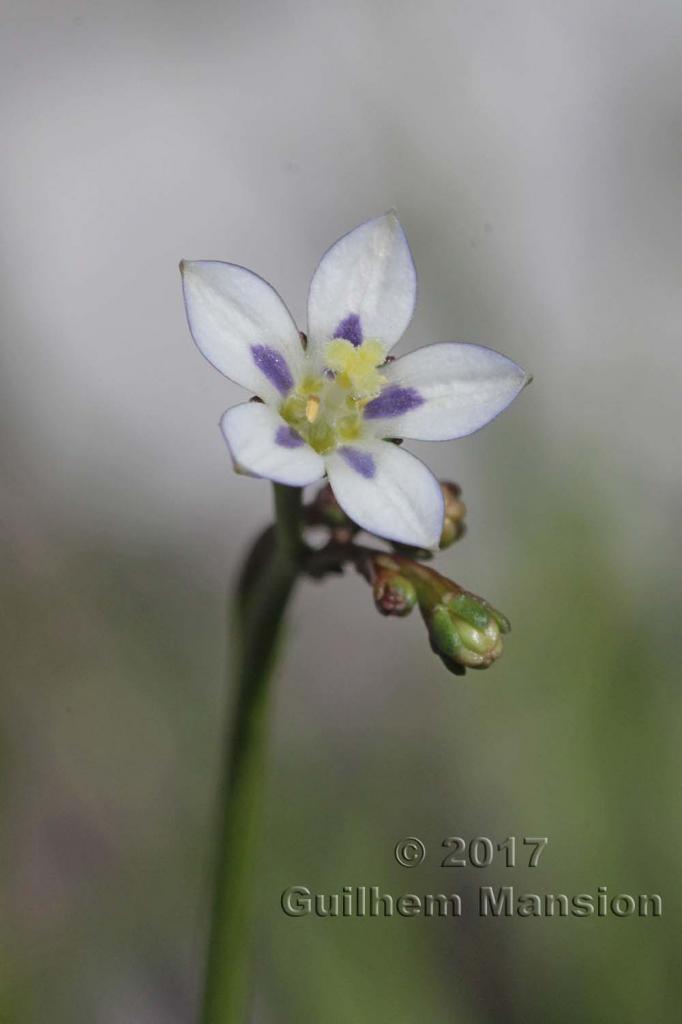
(464, 630)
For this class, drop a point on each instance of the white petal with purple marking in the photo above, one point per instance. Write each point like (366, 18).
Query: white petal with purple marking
(444, 391)
(387, 491)
(262, 444)
(241, 325)
(364, 287)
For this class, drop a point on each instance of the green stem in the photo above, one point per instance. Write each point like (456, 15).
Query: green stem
(266, 585)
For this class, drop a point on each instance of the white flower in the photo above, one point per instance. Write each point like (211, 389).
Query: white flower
(330, 407)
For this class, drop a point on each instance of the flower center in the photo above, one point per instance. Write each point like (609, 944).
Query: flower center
(327, 410)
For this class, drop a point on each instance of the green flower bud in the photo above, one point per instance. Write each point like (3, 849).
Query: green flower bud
(465, 631)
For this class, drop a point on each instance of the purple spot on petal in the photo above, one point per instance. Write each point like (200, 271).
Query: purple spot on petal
(273, 365)
(350, 329)
(287, 437)
(393, 401)
(361, 462)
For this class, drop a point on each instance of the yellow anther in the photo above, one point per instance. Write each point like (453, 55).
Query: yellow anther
(338, 354)
(373, 352)
(356, 365)
(312, 408)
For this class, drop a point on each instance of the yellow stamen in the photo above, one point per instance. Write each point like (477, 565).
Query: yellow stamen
(356, 366)
(312, 408)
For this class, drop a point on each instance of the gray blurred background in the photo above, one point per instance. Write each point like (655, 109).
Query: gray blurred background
(534, 154)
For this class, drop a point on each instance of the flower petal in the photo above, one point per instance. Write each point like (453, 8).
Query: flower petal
(387, 491)
(242, 327)
(443, 391)
(262, 444)
(364, 287)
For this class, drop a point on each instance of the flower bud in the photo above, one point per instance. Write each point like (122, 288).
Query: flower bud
(395, 596)
(465, 631)
(393, 593)
(455, 511)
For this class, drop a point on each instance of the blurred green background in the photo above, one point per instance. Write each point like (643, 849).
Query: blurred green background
(533, 153)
